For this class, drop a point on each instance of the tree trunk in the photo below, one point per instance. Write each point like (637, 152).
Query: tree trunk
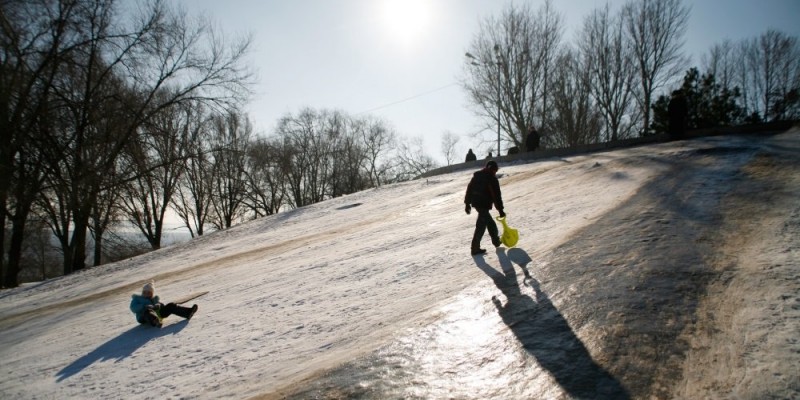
(5, 186)
(78, 245)
(155, 241)
(98, 247)
(3, 239)
(15, 248)
(67, 250)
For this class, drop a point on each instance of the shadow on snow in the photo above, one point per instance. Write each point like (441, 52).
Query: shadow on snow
(120, 347)
(545, 334)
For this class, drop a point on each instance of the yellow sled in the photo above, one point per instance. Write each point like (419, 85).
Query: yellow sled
(510, 235)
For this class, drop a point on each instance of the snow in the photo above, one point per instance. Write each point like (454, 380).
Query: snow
(668, 270)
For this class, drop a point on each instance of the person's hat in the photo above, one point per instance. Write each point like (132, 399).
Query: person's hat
(149, 287)
(492, 165)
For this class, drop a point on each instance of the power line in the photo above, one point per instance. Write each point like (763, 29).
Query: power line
(409, 98)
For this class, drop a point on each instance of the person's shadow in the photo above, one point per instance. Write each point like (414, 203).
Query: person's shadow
(120, 347)
(545, 334)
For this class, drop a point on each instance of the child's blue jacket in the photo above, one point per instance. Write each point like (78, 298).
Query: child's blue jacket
(139, 305)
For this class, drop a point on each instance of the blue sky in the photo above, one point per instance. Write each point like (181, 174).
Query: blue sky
(400, 59)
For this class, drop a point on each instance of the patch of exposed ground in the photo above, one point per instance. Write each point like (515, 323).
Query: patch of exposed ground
(745, 343)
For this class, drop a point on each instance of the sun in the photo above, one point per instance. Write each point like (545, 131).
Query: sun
(406, 21)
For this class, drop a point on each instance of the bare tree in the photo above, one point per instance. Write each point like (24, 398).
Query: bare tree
(298, 138)
(40, 258)
(99, 90)
(508, 66)
(158, 159)
(56, 211)
(192, 202)
(576, 120)
(606, 56)
(25, 184)
(106, 211)
(327, 153)
(549, 43)
(722, 61)
(412, 160)
(80, 152)
(122, 71)
(377, 141)
(449, 142)
(312, 141)
(349, 172)
(655, 29)
(231, 134)
(266, 190)
(79, 79)
(34, 37)
(770, 76)
(341, 164)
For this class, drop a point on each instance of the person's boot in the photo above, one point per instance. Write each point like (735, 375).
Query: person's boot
(478, 251)
(153, 319)
(185, 312)
(192, 311)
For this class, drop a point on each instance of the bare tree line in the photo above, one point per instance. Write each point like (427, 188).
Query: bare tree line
(766, 70)
(84, 89)
(112, 118)
(520, 73)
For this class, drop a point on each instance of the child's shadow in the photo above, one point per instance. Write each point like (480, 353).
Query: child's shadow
(545, 333)
(120, 347)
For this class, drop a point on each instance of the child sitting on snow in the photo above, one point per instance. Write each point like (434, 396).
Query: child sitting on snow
(149, 310)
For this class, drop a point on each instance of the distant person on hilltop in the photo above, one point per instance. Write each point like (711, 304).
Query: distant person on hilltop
(677, 111)
(483, 191)
(532, 141)
(470, 156)
(149, 310)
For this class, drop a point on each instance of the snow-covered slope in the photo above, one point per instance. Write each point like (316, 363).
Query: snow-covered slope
(320, 301)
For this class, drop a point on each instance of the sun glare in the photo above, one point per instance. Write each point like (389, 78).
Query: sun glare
(406, 20)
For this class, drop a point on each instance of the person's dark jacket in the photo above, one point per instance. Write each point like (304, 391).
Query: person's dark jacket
(484, 190)
(677, 110)
(470, 156)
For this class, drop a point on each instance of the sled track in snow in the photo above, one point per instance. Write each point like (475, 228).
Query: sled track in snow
(172, 276)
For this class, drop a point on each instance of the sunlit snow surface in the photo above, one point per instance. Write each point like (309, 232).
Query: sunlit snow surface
(660, 271)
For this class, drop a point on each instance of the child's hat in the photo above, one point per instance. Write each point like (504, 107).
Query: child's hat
(149, 287)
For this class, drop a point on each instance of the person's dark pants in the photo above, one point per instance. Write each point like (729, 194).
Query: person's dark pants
(485, 221)
(172, 308)
(677, 128)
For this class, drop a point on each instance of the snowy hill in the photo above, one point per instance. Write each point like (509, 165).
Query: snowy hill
(660, 271)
